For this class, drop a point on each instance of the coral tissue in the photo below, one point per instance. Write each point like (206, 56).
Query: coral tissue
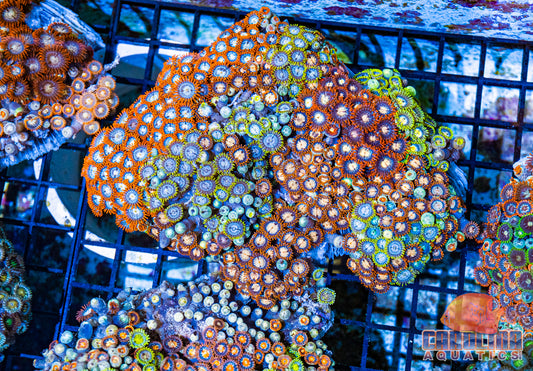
(50, 86)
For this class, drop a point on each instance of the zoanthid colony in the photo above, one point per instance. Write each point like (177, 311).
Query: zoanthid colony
(263, 147)
(202, 326)
(50, 86)
(15, 295)
(507, 250)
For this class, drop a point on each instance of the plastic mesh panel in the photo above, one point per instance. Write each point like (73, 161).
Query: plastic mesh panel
(72, 256)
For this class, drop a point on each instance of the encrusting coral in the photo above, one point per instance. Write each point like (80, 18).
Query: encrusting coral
(50, 86)
(189, 161)
(507, 249)
(15, 295)
(205, 325)
(380, 189)
(263, 148)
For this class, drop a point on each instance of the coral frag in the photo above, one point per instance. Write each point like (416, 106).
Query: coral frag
(262, 145)
(507, 250)
(189, 161)
(50, 87)
(377, 179)
(205, 325)
(15, 295)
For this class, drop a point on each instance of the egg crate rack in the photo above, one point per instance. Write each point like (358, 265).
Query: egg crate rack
(382, 331)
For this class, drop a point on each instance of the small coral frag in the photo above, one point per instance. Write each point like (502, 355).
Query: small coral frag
(46, 77)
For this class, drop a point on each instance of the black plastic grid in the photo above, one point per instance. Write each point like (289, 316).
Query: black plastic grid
(51, 317)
